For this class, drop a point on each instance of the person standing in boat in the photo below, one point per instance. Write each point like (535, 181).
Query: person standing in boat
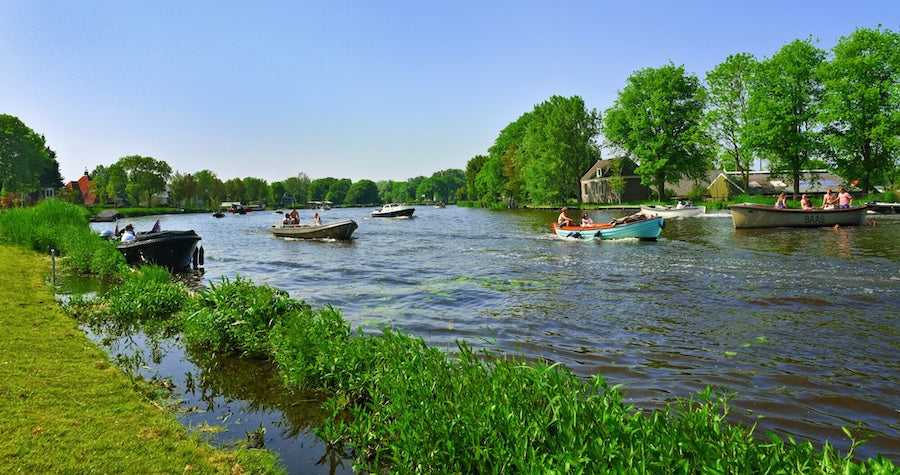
(828, 201)
(294, 215)
(563, 219)
(844, 199)
(782, 202)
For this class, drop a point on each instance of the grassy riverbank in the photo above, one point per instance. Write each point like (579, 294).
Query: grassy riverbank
(65, 408)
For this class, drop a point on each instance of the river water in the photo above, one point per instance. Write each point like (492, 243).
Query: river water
(803, 324)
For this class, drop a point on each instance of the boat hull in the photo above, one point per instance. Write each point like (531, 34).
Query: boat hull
(669, 212)
(177, 251)
(340, 230)
(644, 229)
(748, 215)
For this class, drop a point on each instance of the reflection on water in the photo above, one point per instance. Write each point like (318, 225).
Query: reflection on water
(801, 323)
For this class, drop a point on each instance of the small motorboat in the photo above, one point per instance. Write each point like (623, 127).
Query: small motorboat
(750, 215)
(669, 212)
(883, 207)
(393, 210)
(218, 214)
(339, 230)
(637, 226)
(177, 251)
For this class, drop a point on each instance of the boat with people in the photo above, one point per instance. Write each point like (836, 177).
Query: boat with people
(635, 226)
(393, 210)
(340, 230)
(177, 251)
(750, 215)
(668, 212)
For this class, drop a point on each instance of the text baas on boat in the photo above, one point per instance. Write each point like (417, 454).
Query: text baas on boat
(749, 215)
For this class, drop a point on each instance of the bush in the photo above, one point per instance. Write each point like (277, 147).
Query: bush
(236, 317)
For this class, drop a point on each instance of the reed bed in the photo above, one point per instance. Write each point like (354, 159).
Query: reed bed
(62, 227)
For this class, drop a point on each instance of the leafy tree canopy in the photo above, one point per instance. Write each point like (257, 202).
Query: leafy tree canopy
(24, 156)
(657, 120)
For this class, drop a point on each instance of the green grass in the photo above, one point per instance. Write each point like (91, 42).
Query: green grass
(65, 408)
(63, 228)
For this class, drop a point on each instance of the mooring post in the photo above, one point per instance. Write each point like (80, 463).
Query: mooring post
(53, 264)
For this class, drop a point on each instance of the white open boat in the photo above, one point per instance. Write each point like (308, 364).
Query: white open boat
(393, 210)
(670, 212)
(337, 230)
(749, 215)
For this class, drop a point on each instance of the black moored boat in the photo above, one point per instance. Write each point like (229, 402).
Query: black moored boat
(177, 251)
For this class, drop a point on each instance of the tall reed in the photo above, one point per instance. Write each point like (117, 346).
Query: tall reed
(63, 227)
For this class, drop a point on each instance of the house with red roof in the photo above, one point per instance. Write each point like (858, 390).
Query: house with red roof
(83, 187)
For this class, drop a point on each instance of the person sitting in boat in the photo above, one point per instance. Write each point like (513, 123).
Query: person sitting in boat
(586, 220)
(829, 200)
(128, 234)
(563, 219)
(782, 202)
(316, 220)
(680, 205)
(844, 199)
(286, 221)
(805, 204)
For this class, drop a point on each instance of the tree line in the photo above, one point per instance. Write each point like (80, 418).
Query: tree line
(802, 108)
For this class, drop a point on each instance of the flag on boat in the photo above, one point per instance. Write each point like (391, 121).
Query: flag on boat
(155, 227)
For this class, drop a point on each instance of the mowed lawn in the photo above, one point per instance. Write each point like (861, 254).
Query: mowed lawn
(65, 408)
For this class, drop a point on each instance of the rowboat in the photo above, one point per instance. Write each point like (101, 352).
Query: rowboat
(337, 230)
(670, 212)
(636, 226)
(749, 215)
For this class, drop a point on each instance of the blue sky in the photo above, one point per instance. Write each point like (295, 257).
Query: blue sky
(354, 89)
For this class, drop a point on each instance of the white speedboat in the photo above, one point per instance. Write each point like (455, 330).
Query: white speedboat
(393, 210)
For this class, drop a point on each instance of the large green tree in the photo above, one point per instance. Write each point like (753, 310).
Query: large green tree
(208, 187)
(473, 166)
(298, 187)
(658, 120)
(785, 93)
(861, 106)
(728, 85)
(146, 176)
(362, 192)
(23, 156)
(558, 147)
(256, 189)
